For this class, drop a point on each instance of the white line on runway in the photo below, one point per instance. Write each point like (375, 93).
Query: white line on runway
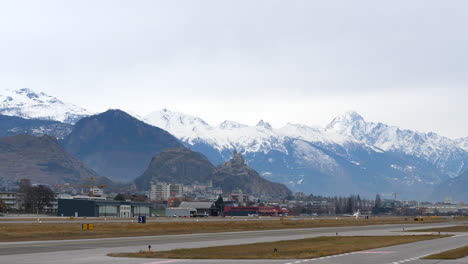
(326, 257)
(167, 261)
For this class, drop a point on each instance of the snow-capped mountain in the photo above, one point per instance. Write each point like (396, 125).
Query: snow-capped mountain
(29, 104)
(438, 150)
(349, 155)
(229, 135)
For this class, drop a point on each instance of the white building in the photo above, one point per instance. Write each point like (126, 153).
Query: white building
(11, 200)
(162, 191)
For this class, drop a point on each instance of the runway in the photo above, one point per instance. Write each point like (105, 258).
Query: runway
(95, 250)
(67, 220)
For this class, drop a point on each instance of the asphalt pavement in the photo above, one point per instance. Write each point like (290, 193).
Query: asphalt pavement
(94, 250)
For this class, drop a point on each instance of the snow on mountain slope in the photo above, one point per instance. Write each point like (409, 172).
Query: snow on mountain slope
(29, 104)
(347, 129)
(462, 143)
(349, 149)
(233, 135)
(313, 134)
(228, 135)
(431, 147)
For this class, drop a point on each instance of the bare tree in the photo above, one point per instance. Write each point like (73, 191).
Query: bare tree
(3, 206)
(37, 198)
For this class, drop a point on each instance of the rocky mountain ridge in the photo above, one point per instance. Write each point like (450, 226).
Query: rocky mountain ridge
(368, 157)
(117, 145)
(41, 159)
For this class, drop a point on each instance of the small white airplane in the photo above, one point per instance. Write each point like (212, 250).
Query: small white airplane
(356, 215)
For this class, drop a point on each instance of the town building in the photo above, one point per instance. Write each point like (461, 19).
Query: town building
(102, 208)
(162, 191)
(11, 200)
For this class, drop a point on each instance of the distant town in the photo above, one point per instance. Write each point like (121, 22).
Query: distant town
(201, 200)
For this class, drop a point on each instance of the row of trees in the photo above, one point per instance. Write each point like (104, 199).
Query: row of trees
(349, 205)
(333, 205)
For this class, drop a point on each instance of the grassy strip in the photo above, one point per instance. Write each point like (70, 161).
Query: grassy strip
(51, 231)
(463, 228)
(288, 249)
(450, 254)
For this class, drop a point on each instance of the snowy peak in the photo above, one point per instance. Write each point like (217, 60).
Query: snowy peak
(178, 124)
(29, 104)
(230, 125)
(352, 116)
(264, 124)
(345, 121)
(349, 124)
(229, 135)
(168, 117)
(430, 146)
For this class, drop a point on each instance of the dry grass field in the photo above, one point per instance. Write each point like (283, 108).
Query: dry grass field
(52, 231)
(292, 249)
(450, 254)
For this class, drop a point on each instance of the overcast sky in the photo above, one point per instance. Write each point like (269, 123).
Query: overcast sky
(403, 63)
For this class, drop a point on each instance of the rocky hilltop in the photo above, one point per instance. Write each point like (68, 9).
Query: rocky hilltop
(177, 165)
(117, 145)
(181, 165)
(235, 174)
(40, 159)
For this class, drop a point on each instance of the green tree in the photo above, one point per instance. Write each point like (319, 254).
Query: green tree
(119, 197)
(220, 205)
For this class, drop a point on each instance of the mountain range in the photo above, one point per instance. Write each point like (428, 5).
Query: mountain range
(349, 155)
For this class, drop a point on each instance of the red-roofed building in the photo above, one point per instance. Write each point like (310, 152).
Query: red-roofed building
(254, 210)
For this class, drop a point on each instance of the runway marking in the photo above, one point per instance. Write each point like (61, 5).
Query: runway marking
(320, 258)
(374, 252)
(408, 259)
(167, 261)
(95, 241)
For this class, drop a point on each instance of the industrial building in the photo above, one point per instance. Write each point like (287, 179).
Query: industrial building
(254, 211)
(191, 209)
(180, 212)
(102, 208)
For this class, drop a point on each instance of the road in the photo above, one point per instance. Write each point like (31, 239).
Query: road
(95, 250)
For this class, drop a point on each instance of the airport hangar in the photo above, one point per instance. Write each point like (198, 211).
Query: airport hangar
(102, 208)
